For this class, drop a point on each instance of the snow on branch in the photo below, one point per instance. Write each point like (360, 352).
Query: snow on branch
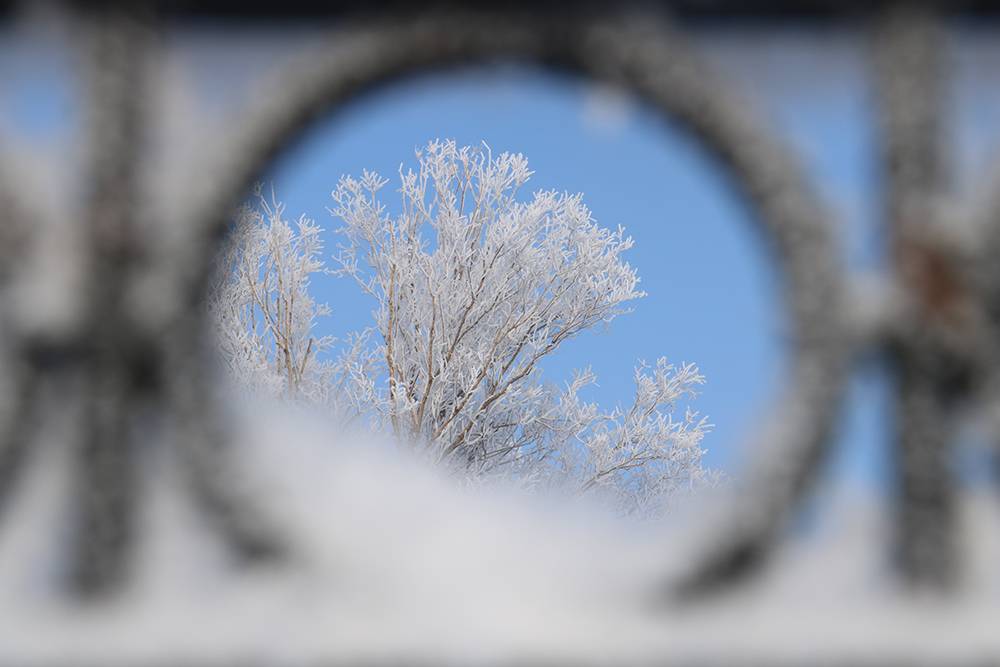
(474, 286)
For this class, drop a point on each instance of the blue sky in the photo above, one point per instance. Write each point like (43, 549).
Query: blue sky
(712, 292)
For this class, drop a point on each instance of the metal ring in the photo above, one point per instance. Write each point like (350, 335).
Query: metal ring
(642, 54)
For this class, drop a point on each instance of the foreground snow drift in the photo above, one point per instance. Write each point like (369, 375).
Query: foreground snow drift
(394, 563)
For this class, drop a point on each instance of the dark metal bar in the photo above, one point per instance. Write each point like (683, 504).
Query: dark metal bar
(105, 478)
(909, 46)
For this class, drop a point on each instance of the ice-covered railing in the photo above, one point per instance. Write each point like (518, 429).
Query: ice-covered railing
(120, 381)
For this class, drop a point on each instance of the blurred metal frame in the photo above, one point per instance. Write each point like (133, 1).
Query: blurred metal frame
(939, 326)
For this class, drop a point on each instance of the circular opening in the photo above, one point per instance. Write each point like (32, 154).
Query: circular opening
(710, 298)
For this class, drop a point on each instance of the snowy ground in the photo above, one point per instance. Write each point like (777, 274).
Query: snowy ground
(395, 564)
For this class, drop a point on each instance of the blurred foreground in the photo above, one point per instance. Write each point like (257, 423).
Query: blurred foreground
(394, 563)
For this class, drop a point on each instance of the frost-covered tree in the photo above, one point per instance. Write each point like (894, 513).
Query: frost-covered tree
(261, 304)
(474, 286)
(266, 318)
